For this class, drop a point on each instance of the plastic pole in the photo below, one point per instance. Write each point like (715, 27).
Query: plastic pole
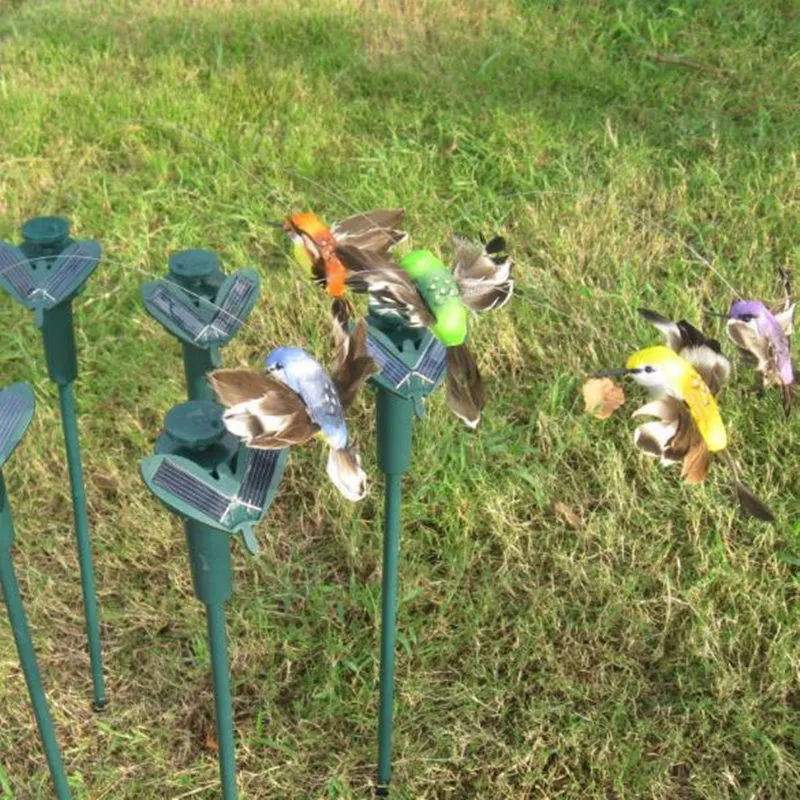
(27, 655)
(212, 575)
(197, 363)
(70, 423)
(394, 423)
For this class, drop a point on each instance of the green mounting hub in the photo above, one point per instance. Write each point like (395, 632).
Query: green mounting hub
(195, 430)
(45, 236)
(196, 270)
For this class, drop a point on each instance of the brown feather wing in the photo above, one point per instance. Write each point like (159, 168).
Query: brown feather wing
(673, 433)
(261, 410)
(387, 284)
(234, 386)
(756, 348)
(377, 230)
(484, 279)
(785, 317)
(466, 393)
(352, 364)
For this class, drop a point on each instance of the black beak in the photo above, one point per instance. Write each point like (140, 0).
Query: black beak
(712, 313)
(272, 224)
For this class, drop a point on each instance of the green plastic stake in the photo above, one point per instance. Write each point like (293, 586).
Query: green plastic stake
(220, 489)
(202, 308)
(413, 364)
(16, 411)
(45, 275)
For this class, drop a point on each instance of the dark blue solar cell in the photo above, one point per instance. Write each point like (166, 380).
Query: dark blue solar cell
(16, 410)
(14, 272)
(11, 409)
(393, 369)
(191, 490)
(71, 270)
(260, 469)
(229, 317)
(179, 312)
(433, 362)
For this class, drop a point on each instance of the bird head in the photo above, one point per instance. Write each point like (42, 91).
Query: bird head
(656, 368)
(305, 230)
(747, 310)
(283, 360)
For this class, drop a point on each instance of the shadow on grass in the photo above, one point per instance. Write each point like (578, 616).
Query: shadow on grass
(582, 71)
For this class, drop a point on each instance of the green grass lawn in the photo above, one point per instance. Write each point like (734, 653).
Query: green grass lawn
(574, 621)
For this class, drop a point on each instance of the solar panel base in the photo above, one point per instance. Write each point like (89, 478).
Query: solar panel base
(70, 271)
(414, 371)
(223, 500)
(44, 283)
(198, 320)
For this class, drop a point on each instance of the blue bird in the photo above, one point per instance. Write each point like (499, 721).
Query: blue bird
(296, 399)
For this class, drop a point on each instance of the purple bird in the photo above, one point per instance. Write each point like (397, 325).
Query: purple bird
(762, 336)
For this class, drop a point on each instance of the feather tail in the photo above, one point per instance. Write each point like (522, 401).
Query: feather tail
(466, 394)
(353, 364)
(344, 470)
(747, 500)
(787, 395)
(343, 311)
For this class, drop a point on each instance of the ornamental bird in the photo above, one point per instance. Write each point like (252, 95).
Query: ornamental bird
(296, 399)
(684, 380)
(425, 293)
(695, 347)
(314, 247)
(762, 336)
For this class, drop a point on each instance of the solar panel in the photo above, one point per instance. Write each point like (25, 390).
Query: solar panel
(197, 320)
(433, 363)
(70, 270)
(235, 305)
(393, 368)
(398, 369)
(192, 490)
(172, 308)
(232, 503)
(16, 411)
(258, 475)
(66, 274)
(14, 272)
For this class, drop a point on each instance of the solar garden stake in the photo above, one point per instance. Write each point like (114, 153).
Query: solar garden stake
(413, 363)
(202, 308)
(219, 488)
(16, 411)
(45, 274)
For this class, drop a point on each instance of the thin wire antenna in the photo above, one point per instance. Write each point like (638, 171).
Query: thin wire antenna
(593, 198)
(151, 275)
(597, 198)
(293, 173)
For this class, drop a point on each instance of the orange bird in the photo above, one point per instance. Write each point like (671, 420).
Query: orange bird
(315, 244)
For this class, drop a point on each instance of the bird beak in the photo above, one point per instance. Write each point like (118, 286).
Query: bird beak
(712, 313)
(272, 224)
(613, 373)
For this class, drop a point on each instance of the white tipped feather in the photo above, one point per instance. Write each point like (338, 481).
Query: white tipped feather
(344, 470)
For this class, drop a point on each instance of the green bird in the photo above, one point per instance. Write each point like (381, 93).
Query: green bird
(426, 294)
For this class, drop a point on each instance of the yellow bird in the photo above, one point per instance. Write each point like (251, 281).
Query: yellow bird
(663, 371)
(683, 379)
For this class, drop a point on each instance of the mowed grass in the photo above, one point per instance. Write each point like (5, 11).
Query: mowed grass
(574, 622)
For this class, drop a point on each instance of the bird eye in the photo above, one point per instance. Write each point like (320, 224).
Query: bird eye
(747, 317)
(649, 369)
